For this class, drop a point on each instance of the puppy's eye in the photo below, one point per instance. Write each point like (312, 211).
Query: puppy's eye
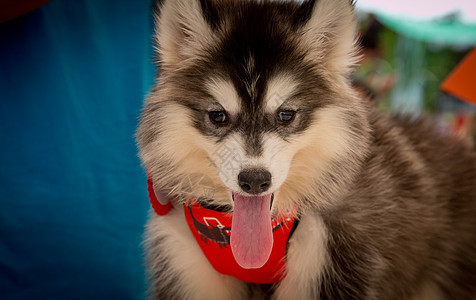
(286, 116)
(218, 117)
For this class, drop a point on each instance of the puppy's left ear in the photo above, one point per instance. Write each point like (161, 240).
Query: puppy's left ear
(329, 28)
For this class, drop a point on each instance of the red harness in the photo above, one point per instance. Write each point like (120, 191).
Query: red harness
(211, 229)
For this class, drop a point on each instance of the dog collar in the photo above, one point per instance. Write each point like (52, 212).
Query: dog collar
(212, 229)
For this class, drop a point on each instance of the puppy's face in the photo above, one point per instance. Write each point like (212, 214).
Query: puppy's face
(253, 100)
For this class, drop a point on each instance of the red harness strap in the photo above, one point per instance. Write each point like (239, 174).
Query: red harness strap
(159, 209)
(212, 229)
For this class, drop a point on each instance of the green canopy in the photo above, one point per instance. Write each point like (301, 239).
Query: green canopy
(445, 32)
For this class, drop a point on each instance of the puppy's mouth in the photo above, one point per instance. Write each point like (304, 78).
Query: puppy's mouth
(251, 230)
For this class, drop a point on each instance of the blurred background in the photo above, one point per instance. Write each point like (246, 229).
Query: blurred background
(73, 76)
(418, 58)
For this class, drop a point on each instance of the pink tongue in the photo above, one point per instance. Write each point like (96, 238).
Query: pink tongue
(251, 232)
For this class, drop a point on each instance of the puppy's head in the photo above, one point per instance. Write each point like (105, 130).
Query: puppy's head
(253, 101)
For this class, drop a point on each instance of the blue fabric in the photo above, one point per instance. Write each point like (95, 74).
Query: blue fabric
(73, 198)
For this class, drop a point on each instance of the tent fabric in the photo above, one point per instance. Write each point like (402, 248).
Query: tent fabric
(73, 196)
(449, 23)
(444, 32)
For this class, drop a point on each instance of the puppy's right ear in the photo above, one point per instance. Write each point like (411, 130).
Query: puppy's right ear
(329, 29)
(181, 31)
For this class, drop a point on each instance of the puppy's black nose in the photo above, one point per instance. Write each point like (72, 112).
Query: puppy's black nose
(254, 181)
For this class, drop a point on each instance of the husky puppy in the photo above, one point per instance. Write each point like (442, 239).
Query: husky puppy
(253, 108)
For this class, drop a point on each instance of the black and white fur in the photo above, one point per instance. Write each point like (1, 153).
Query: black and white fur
(388, 206)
